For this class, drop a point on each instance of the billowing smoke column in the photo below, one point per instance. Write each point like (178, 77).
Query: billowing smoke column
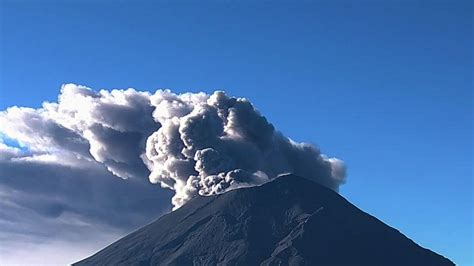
(192, 143)
(209, 144)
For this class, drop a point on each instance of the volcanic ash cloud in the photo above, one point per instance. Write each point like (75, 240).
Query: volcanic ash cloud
(208, 144)
(192, 143)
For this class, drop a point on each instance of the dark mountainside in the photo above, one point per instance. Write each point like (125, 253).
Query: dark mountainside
(289, 221)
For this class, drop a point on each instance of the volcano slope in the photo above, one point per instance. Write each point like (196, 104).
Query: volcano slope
(288, 221)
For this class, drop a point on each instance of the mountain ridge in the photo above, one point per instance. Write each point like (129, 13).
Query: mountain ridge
(288, 221)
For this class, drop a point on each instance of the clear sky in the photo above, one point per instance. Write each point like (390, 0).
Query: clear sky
(386, 87)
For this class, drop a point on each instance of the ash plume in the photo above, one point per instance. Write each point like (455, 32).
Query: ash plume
(208, 144)
(192, 143)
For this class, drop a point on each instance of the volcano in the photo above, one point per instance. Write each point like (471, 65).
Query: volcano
(288, 221)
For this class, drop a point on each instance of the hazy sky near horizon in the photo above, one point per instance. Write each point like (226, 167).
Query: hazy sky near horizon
(385, 87)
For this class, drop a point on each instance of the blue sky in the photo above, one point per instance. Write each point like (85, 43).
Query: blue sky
(386, 87)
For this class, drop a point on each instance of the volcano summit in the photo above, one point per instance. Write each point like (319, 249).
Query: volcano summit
(288, 221)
